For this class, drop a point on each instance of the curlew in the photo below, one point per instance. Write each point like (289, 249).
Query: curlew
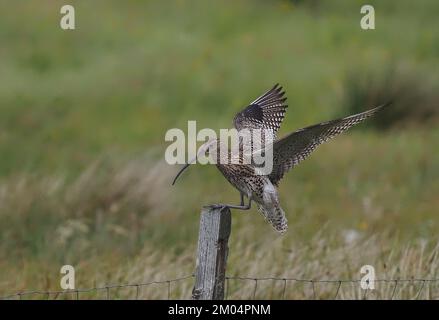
(267, 112)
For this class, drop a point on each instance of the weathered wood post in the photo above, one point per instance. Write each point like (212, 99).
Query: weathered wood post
(210, 273)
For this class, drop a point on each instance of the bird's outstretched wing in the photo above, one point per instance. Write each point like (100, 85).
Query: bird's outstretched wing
(297, 146)
(266, 112)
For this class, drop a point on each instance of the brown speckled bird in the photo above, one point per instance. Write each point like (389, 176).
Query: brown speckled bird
(267, 112)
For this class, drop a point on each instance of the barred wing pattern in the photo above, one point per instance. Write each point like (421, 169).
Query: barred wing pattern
(297, 146)
(266, 112)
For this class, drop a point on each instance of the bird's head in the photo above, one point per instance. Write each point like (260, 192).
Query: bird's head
(206, 150)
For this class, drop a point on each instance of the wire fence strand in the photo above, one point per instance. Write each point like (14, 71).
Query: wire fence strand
(106, 288)
(256, 287)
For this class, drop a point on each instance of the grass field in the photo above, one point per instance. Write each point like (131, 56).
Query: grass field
(83, 116)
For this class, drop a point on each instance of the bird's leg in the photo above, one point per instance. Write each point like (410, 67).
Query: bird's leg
(231, 206)
(241, 207)
(242, 198)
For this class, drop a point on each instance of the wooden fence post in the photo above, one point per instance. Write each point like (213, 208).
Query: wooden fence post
(210, 274)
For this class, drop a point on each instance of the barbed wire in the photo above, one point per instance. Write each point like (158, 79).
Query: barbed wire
(339, 283)
(256, 280)
(106, 288)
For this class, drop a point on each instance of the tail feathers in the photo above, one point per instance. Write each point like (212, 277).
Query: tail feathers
(275, 216)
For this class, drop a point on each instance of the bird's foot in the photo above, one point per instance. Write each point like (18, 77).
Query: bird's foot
(216, 206)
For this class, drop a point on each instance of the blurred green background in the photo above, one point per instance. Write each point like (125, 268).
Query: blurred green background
(83, 116)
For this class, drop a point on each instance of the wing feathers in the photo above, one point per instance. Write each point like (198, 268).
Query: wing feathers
(297, 146)
(266, 112)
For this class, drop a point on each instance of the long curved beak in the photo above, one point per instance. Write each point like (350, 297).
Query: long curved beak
(180, 172)
(184, 168)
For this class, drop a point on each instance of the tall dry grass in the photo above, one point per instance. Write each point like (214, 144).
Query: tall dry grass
(114, 222)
